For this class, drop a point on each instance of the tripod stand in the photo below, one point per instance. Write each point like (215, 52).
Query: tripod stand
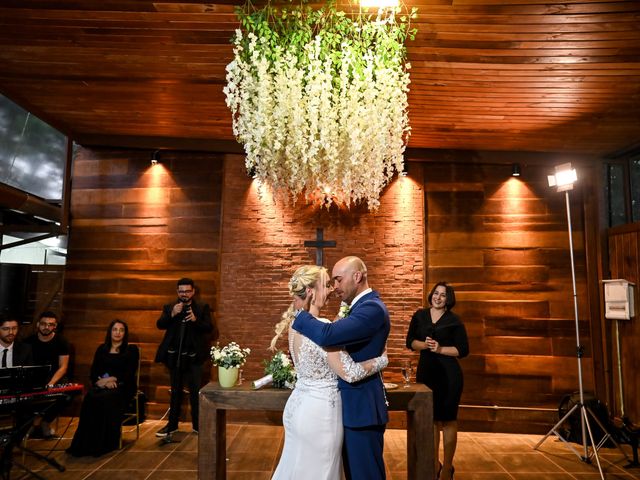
(585, 412)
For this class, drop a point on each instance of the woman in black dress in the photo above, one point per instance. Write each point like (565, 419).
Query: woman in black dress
(113, 379)
(440, 337)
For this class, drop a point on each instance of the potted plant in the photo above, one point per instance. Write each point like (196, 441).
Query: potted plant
(229, 359)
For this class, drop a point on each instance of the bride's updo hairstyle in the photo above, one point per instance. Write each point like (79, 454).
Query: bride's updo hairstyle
(303, 278)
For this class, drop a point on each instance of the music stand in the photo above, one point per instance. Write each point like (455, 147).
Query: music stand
(563, 179)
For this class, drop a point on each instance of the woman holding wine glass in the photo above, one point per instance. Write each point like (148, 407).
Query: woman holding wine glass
(440, 337)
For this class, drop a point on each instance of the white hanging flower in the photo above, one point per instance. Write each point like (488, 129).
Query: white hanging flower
(322, 115)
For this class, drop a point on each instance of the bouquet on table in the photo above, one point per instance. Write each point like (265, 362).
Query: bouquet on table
(281, 370)
(229, 356)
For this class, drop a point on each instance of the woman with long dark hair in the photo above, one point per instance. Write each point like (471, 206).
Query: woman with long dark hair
(113, 380)
(440, 337)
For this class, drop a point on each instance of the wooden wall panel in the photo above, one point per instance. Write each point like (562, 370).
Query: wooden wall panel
(263, 244)
(624, 262)
(135, 229)
(503, 243)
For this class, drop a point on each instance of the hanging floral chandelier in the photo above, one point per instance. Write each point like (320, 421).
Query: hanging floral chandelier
(319, 100)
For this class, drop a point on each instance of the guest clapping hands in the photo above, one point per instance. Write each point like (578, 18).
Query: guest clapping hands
(440, 337)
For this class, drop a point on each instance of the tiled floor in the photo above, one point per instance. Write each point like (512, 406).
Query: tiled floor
(253, 451)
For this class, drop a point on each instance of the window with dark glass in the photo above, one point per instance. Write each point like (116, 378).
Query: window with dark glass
(634, 174)
(32, 153)
(616, 194)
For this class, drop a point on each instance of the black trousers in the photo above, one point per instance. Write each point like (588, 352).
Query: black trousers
(191, 376)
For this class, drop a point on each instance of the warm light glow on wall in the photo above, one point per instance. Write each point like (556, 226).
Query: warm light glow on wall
(514, 196)
(155, 183)
(403, 199)
(263, 194)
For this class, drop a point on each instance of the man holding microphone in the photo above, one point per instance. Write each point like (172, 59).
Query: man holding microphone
(184, 349)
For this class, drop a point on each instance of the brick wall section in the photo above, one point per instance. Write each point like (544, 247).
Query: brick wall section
(263, 244)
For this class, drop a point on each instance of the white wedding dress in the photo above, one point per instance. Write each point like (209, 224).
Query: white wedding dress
(312, 417)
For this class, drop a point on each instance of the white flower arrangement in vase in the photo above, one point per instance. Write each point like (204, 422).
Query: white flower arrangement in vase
(230, 355)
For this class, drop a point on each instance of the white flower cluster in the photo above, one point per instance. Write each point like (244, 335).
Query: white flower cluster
(331, 127)
(283, 359)
(229, 356)
(344, 310)
(281, 369)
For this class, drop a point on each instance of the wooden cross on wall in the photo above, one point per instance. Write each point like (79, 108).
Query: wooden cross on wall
(320, 244)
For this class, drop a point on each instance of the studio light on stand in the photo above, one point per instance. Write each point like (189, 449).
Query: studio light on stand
(563, 180)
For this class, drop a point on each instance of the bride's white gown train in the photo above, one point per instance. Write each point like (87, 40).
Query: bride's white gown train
(312, 417)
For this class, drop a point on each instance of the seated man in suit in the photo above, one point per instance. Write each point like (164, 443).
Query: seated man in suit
(12, 353)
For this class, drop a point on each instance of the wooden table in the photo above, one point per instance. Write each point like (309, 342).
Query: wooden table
(416, 400)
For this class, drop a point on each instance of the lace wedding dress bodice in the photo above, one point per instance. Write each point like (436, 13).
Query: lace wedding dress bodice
(310, 360)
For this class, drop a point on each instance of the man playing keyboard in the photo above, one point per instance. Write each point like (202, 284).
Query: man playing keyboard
(49, 348)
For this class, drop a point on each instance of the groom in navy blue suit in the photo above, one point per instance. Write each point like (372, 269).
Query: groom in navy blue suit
(363, 332)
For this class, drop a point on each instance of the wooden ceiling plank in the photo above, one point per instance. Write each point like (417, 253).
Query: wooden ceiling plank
(486, 74)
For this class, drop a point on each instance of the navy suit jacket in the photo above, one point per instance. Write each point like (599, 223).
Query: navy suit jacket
(364, 334)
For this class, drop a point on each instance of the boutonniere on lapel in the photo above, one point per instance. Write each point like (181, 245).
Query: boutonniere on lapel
(344, 310)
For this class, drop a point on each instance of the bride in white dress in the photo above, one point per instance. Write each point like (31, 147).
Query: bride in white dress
(312, 417)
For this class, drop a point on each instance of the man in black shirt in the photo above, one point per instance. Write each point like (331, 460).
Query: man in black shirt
(49, 348)
(184, 348)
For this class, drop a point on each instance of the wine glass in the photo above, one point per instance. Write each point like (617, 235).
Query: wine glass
(405, 369)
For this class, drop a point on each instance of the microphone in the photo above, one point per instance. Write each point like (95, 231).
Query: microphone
(186, 310)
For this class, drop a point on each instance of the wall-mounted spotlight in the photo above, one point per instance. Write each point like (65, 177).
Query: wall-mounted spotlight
(155, 157)
(515, 170)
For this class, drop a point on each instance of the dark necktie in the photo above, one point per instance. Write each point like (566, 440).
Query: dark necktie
(4, 358)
